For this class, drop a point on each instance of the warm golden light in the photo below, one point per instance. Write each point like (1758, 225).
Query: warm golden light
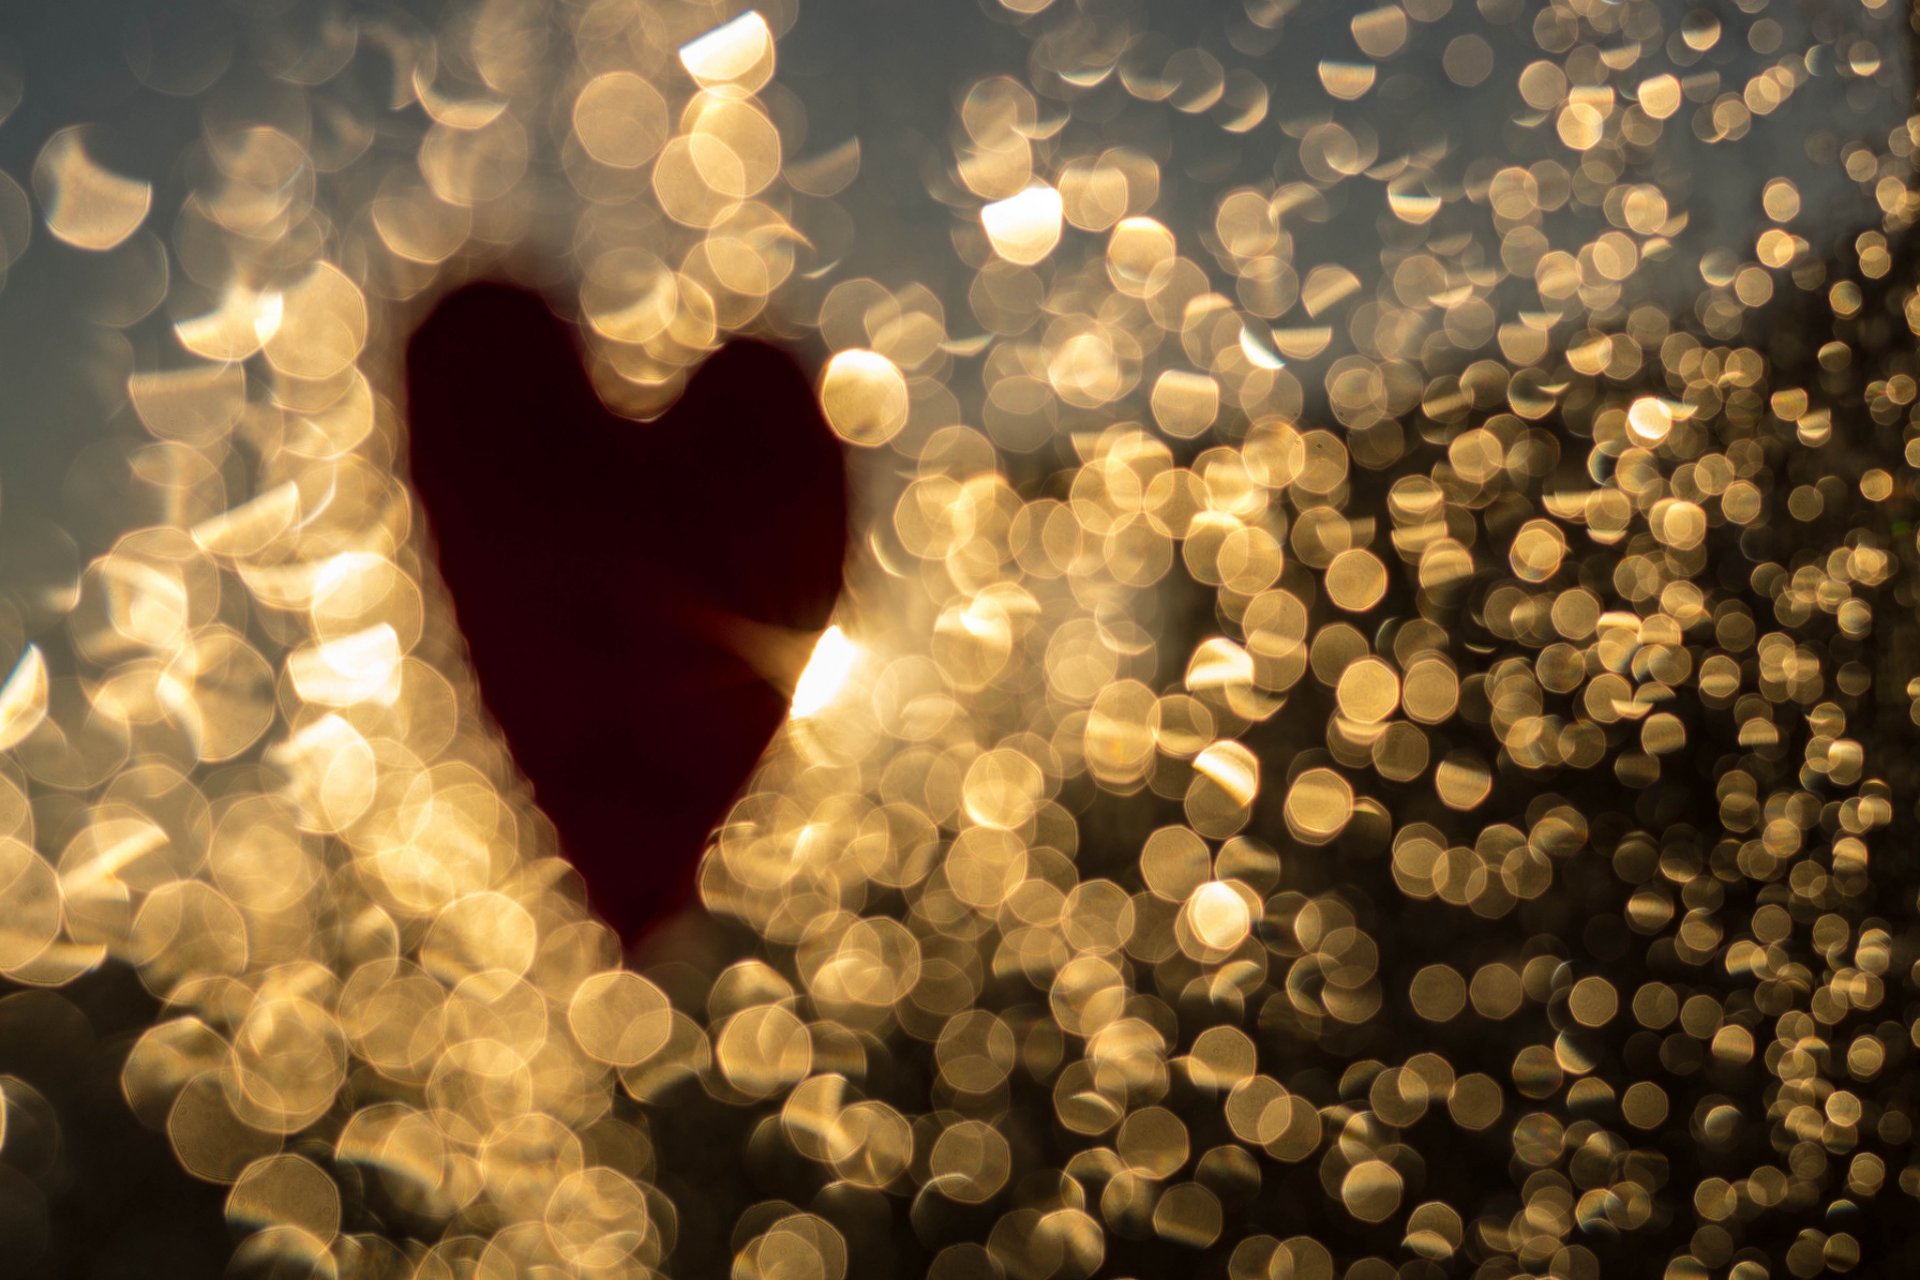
(1024, 228)
(737, 52)
(826, 673)
(1383, 568)
(87, 205)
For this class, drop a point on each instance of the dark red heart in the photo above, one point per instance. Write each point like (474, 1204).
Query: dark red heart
(636, 597)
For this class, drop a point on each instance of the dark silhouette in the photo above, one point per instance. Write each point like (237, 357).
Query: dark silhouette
(636, 597)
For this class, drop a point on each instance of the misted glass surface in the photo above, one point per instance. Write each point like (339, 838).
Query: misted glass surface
(1370, 734)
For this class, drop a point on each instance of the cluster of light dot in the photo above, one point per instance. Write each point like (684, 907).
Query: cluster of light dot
(1368, 766)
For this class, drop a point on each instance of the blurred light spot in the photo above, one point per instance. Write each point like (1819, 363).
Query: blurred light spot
(826, 673)
(738, 52)
(88, 206)
(1024, 228)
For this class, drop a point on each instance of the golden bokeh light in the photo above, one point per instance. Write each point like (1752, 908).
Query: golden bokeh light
(1378, 738)
(87, 205)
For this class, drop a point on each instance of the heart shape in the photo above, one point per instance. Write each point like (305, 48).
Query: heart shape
(636, 597)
